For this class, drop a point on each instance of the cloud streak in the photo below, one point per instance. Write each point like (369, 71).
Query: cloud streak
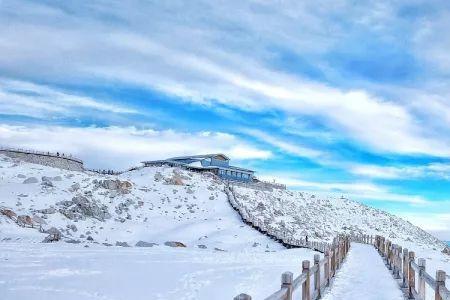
(122, 147)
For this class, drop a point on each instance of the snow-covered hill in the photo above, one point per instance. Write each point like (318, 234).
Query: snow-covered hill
(153, 205)
(301, 214)
(161, 204)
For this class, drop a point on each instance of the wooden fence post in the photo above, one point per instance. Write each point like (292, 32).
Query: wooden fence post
(327, 267)
(412, 275)
(332, 265)
(337, 255)
(399, 262)
(440, 281)
(405, 268)
(242, 297)
(306, 295)
(421, 283)
(317, 275)
(286, 282)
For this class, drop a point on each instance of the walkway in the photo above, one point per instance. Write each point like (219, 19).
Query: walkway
(363, 276)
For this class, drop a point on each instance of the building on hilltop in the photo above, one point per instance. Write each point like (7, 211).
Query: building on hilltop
(218, 164)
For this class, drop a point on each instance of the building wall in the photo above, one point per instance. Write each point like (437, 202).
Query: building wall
(235, 175)
(50, 160)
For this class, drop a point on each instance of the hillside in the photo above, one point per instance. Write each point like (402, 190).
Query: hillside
(301, 214)
(154, 205)
(161, 204)
(99, 216)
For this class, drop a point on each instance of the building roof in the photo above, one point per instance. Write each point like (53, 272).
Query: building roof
(201, 156)
(194, 165)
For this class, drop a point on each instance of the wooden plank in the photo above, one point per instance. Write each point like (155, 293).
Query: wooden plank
(298, 281)
(440, 284)
(421, 283)
(278, 295)
(317, 275)
(412, 276)
(306, 295)
(429, 280)
(286, 283)
(405, 268)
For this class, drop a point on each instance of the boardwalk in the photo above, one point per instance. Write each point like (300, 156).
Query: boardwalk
(364, 276)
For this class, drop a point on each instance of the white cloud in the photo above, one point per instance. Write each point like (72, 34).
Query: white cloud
(439, 170)
(356, 190)
(29, 99)
(198, 59)
(287, 147)
(122, 147)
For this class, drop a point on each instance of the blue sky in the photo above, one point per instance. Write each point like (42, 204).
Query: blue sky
(345, 97)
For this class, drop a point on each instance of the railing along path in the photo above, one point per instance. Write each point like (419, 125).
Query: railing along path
(281, 236)
(329, 265)
(405, 269)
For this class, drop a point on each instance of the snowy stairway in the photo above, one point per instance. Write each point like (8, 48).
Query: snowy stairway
(281, 236)
(364, 276)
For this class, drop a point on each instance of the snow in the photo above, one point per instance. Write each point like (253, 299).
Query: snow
(63, 271)
(169, 204)
(194, 213)
(363, 275)
(297, 214)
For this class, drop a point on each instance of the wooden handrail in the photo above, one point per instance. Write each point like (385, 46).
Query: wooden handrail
(404, 267)
(338, 249)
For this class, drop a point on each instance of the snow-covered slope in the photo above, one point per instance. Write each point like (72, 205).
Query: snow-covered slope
(321, 218)
(154, 205)
(161, 204)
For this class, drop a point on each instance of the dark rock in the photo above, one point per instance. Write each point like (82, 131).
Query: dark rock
(174, 244)
(145, 244)
(30, 180)
(50, 210)
(122, 244)
(202, 246)
(90, 238)
(72, 241)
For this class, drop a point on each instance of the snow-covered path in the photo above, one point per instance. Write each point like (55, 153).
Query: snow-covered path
(363, 276)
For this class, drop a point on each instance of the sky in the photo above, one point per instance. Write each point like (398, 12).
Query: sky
(349, 98)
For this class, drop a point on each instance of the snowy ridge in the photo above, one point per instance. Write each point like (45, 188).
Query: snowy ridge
(297, 214)
(159, 204)
(280, 236)
(152, 205)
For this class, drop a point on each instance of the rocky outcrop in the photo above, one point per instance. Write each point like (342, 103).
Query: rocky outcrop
(30, 180)
(9, 213)
(175, 244)
(80, 208)
(122, 244)
(114, 185)
(54, 235)
(25, 221)
(145, 244)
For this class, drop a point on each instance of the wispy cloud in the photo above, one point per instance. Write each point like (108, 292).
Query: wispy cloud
(194, 66)
(34, 100)
(123, 147)
(356, 190)
(433, 170)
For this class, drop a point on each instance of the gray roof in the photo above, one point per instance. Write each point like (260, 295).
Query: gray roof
(200, 156)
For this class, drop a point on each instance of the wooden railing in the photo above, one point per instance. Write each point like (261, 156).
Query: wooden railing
(404, 268)
(331, 262)
(280, 235)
